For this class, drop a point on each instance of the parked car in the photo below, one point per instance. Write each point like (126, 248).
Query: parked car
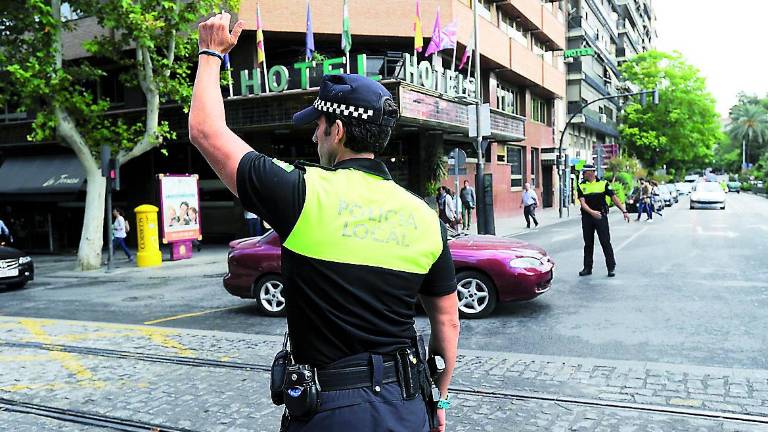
(734, 186)
(16, 267)
(672, 191)
(664, 195)
(683, 188)
(708, 195)
(489, 270)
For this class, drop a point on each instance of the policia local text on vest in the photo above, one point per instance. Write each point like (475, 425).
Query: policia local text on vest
(593, 194)
(358, 252)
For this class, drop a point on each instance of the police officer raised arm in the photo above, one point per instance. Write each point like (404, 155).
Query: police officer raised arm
(358, 251)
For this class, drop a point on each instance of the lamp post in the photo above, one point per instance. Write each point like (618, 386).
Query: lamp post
(562, 174)
(479, 183)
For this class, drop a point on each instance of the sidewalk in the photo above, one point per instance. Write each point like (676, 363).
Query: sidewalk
(510, 226)
(212, 259)
(492, 391)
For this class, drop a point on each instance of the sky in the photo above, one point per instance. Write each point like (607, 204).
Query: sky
(726, 40)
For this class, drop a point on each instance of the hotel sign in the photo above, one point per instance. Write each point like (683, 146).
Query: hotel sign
(579, 52)
(422, 74)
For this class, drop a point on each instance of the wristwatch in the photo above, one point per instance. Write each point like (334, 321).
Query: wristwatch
(444, 403)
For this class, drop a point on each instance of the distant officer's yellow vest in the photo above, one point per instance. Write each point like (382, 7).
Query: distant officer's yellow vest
(354, 217)
(593, 187)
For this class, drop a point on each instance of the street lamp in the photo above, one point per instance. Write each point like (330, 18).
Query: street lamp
(562, 171)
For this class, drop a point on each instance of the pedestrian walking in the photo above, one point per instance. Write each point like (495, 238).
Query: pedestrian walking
(592, 194)
(644, 204)
(468, 203)
(120, 229)
(445, 206)
(253, 223)
(529, 202)
(348, 232)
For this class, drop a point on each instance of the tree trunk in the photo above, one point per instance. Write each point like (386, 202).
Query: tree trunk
(92, 236)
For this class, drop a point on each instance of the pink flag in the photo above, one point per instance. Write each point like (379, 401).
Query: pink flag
(449, 35)
(436, 42)
(468, 51)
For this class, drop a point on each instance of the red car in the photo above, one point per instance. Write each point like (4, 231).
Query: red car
(488, 270)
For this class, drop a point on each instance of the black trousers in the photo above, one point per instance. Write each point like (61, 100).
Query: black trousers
(588, 227)
(529, 212)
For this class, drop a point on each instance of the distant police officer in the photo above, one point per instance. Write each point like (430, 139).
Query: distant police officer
(358, 250)
(592, 194)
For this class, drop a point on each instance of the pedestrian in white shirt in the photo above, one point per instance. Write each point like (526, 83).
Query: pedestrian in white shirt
(529, 202)
(120, 230)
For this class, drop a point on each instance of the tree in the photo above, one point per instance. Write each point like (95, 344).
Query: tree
(681, 131)
(749, 126)
(153, 39)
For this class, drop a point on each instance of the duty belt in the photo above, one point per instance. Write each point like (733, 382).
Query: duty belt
(354, 377)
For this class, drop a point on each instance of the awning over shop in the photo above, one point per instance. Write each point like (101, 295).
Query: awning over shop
(41, 175)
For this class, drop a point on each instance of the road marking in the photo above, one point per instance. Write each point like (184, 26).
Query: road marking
(561, 238)
(161, 338)
(634, 236)
(192, 314)
(729, 234)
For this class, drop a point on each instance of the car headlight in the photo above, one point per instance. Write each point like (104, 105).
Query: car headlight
(526, 262)
(25, 259)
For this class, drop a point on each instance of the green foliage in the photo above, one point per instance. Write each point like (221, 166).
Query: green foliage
(621, 193)
(163, 30)
(682, 130)
(627, 164)
(746, 186)
(749, 125)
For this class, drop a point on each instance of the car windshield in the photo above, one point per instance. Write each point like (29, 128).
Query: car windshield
(708, 187)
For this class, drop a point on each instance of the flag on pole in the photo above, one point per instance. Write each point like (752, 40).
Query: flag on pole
(437, 37)
(449, 35)
(468, 51)
(418, 35)
(260, 54)
(310, 36)
(346, 35)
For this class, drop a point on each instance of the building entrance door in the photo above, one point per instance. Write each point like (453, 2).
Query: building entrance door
(547, 192)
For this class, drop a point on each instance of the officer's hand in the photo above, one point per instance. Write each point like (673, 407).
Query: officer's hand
(214, 33)
(626, 217)
(440, 421)
(597, 215)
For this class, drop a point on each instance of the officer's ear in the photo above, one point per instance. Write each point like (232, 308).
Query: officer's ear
(339, 134)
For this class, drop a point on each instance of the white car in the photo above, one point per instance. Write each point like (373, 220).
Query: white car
(683, 188)
(708, 195)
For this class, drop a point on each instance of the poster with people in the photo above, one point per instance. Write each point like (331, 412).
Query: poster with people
(180, 207)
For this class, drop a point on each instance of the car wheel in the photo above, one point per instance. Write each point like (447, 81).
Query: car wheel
(269, 294)
(477, 295)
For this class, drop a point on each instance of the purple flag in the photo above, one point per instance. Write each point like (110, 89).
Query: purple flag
(310, 36)
(449, 35)
(436, 42)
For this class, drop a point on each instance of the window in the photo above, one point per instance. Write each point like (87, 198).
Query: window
(484, 9)
(516, 161)
(534, 166)
(509, 100)
(513, 28)
(541, 111)
(11, 112)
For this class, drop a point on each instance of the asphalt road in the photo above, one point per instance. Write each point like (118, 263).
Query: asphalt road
(692, 288)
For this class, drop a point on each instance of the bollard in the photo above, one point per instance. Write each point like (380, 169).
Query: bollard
(148, 239)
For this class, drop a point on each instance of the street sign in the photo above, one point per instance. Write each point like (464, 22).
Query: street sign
(485, 120)
(457, 162)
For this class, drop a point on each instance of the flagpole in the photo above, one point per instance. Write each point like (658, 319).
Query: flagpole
(347, 55)
(229, 80)
(453, 62)
(266, 78)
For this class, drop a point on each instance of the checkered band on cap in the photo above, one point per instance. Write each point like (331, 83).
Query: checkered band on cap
(344, 110)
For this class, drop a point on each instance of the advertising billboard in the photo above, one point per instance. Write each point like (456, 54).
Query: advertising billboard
(179, 207)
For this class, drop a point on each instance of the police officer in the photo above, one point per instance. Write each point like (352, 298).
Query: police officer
(592, 193)
(358, 250)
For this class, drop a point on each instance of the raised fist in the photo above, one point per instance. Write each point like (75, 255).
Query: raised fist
(215, 35)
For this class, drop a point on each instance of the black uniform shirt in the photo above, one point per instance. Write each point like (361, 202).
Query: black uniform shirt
(595, 199)
(337, 309)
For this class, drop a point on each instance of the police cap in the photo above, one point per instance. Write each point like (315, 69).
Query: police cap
(348, 95)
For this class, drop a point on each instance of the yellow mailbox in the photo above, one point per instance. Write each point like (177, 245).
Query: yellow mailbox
(148, 254)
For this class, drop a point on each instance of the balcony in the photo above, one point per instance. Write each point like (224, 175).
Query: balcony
(592, 119)
(537, 18)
